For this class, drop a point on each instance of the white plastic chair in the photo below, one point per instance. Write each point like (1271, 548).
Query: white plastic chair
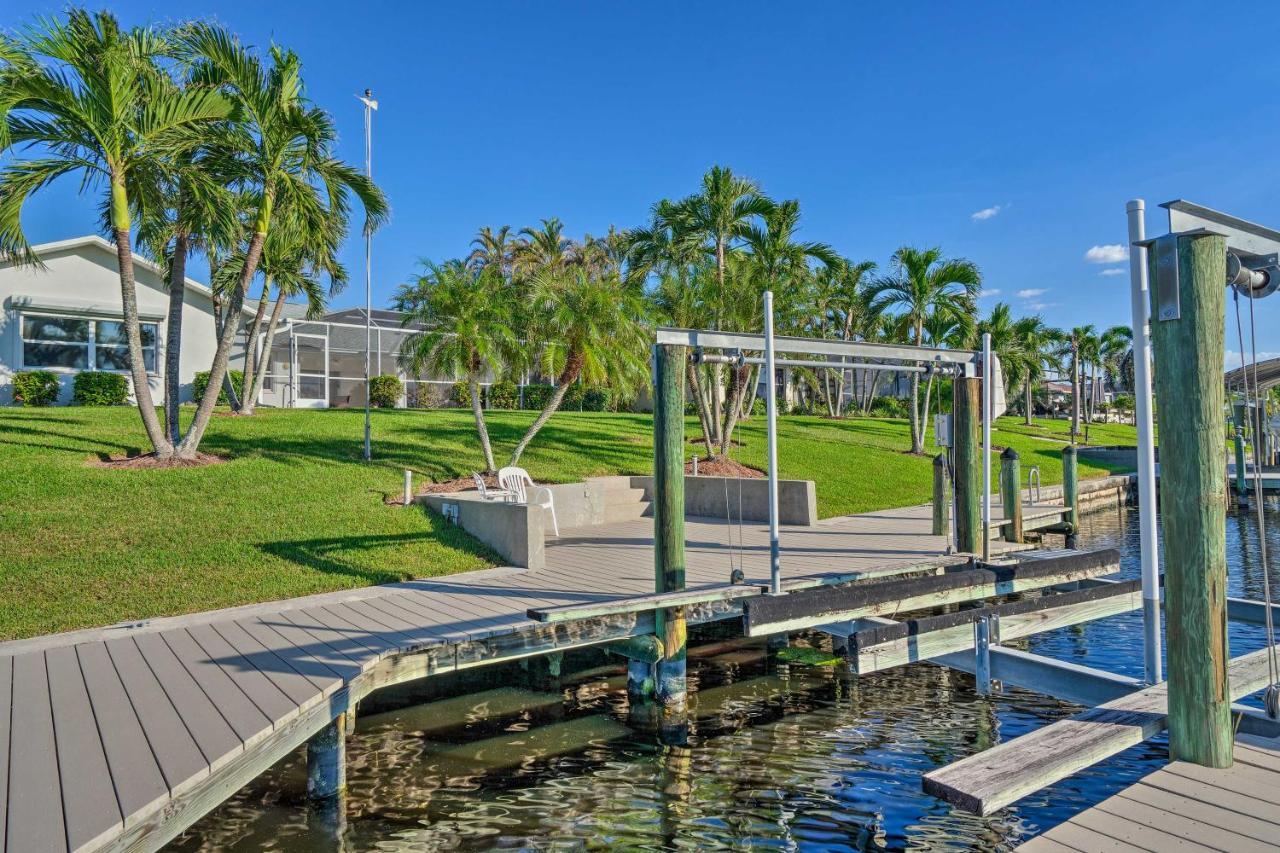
(524, 491)
(487, 493)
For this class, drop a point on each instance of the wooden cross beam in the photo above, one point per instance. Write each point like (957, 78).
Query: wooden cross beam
(773, 614)
(989, 781)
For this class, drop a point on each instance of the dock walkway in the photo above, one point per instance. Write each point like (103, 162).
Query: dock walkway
(120, 738)
(1183, 807)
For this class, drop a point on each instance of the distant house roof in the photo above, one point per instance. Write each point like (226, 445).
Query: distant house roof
(380, 318)
(1058, 387)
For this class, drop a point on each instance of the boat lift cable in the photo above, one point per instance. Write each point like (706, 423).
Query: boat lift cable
(1271, 697)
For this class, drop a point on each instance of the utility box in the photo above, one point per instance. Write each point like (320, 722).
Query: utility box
(942, 430)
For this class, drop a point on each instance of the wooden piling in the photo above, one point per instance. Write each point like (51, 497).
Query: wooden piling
(327, 762)
(940, 520)
(966, 413)
(1188, 385)
(1071, 492)
(1011, 493)
(668, 518)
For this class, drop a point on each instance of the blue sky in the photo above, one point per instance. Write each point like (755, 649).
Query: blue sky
(892, 123)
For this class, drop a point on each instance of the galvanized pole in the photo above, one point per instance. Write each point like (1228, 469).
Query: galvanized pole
(1148, 537)
(771, 409)
(987, 374)
(369, 106)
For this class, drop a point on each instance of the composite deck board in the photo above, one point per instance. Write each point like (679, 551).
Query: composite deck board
(217, 741)
(35, 792)
(180, 759)
(6, 704)
(299, 689)
(265, 695)
(246, 719)
(109, 727)
(1184, 807)
(89, 803)
(135, 774)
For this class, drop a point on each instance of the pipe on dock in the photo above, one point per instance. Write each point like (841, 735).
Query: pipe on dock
(1071, 492)
(940, 495)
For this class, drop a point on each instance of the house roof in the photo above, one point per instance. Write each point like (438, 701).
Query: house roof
(99, 243)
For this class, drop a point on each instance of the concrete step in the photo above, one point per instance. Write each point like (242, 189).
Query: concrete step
(623, 496)
(625, 512)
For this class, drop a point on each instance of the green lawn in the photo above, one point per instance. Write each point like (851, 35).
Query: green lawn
(295, 511)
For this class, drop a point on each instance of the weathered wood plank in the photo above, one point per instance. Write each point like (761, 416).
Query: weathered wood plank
(176, 751)
(89, 803)
(878, 648)
(990, 780)
(643, 602)
(775, 614)
(139, 784)
(35, 791)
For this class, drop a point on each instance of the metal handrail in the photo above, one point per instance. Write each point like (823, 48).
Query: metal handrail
(1033, 483)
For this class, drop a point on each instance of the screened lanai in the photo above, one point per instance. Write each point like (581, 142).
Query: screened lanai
(319, 364)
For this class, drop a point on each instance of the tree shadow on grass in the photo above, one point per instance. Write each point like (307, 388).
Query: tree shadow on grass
(333, 554)
(11, 433)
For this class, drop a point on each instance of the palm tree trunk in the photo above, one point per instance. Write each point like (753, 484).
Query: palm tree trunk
(917, 440)
(219, 322)
(482, 429)
(734, 411)
(251, 351)
(704, 411)
(928, 392)
(173, 337)
(218, 370)
(137, 367)
(572, 368)
(251, 401)
(1026, 414)
(749, 392)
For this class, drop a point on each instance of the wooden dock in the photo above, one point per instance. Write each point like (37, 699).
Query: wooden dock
(120, 738)
(1183, 807)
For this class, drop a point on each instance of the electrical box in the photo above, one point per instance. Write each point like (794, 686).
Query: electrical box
(942, 430)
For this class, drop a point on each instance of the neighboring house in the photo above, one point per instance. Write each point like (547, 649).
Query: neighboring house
(66, 317)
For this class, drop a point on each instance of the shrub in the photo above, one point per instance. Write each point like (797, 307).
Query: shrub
(201, 381)
(99, 388)
(35, 387)
(461, 394)
(597, 400)
(759, 407)
(573, 397)
(503, 395)
(536, 396)
(888, 407)
(385, 391)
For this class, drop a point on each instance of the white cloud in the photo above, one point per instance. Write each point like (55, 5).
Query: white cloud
(988, 292)
(1032, 292)
(1109, 253)
(1040, 306)
(986, 212)
(1112, 271)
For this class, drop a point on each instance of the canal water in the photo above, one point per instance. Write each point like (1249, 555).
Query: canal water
(787, 756)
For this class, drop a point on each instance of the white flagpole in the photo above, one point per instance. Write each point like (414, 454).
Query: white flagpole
(369, 106)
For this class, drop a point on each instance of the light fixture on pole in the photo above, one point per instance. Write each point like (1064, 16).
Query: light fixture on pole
(369, 106)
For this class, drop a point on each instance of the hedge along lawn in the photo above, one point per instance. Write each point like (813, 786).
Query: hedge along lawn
(295, 511)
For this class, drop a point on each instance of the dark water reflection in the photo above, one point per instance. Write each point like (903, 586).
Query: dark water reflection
(788, 757)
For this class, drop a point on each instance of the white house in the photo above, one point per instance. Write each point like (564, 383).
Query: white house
(66, 317)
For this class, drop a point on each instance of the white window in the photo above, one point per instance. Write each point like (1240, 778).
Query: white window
(77, 343)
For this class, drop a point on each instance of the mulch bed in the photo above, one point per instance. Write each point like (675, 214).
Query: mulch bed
(722, 467)
(149, 460)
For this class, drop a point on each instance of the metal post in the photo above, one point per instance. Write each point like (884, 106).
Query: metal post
(982, 655)
(940, 495)
(771, 408)
(369, 106)
(1147, 537)
(408, 487)
(987, 376)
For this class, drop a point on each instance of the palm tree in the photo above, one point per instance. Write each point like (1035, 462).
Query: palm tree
(722, 213)
(949, 328)
(466, 330)
(1039, 344)
(584, 327)
(94, 99)
(1078, 345)
(543, 248)
(286, 150)
(922, 282)
(490, 247)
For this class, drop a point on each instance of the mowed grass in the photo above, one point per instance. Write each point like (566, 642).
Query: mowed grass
(295, 510)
